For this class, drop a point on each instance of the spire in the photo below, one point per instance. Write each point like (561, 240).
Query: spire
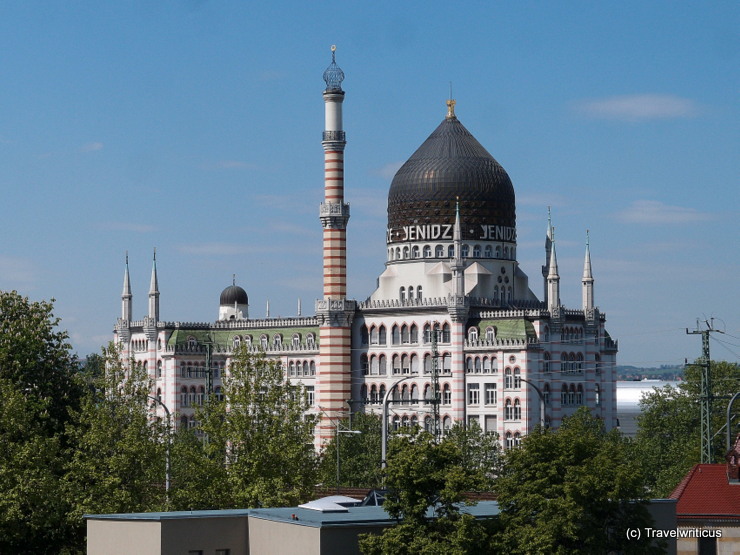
(154, 291)
(553, 279)
(548, 247)
(588, 279)
(267, 310)
(299, 306)
(126, 296)
(458, 265)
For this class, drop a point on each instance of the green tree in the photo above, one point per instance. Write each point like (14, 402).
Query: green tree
(32, 507)
(481, 451)
(359, 454)
(263, 435)
(572, 490)
(117, 458)
(427, 481)
(36, 357)
(669, 433)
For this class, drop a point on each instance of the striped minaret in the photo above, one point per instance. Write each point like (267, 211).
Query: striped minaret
(334, 310)
(458, 308)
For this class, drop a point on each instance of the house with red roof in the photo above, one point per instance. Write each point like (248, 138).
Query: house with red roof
(708, 507)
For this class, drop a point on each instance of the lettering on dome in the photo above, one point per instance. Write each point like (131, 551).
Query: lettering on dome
(444, 232)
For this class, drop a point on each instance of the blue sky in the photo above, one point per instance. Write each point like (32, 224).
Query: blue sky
(195, 127)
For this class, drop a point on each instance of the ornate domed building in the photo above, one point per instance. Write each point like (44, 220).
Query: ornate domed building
(453, 332)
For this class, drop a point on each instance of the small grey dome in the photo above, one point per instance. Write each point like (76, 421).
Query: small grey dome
(233, 294)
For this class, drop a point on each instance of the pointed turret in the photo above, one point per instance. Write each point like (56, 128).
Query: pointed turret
(458, 265)
(267, 309)
(126, 296)
(154, 291)
(553, 279)
(588, 279)
(548, 247)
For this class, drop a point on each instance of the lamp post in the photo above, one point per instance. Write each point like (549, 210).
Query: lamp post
(167, 448)
(384, 431)
(542, 401)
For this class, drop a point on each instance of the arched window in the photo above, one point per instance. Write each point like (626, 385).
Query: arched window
(373, 335)
(277, 341)
(396, 423)
(465, 250)
(382, 370)
(508, 383)
(446, 395)
(517, 439)
(291, 369)
(572, 395)
(439, 251)
(411, 293)
(486, 365)
(405, 421)
(490, 334)
(546, 367)
(476, 251)
(579, 395)
(404, 334)
(498, 251)
(451, 251)
(414, 335)
(473, 334)
(382, 339)
(405, 393)
(579, 363)
(427, 364)
(469, 365)
(446, 424)
(364, 336)
(597, 363)
(477, 365)
(597, 394)
(305, 368)
(402, 294)
(374, 365)
(414, 364)
(427, 251)
(447, 363)
(509, 440)
(159, 368)
(428, 424)
(508, 410)
(364, 364)
(183, 370)
(311, 341)
(445, 333)
(517, 378)
(201, 395)
(419, 295)
(159, 394)
(517, 409)
(263, 342)
(396, 364)
(415, 252)
(405, 364)
(363, 393)
(374, 394)
(488, 253)
(295, 341)
(395, 335)
(191, 396)
(381, 392)
(312, 368)
(564, 395)
(546, 393)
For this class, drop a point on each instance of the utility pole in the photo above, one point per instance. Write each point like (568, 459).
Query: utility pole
(706, 391)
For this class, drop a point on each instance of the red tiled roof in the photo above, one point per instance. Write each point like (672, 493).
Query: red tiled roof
(705, 491)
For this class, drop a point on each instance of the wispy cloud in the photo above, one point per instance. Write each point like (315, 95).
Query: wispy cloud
(656, 212)
(389, 170)
(127, 226)
(91, 147)
(227, 165)
(219, 249)
(18, 272)
(639, 107)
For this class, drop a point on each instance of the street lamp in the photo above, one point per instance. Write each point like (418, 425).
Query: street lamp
(167, 451)
(542, 401)
(336, 444)
(384, 431)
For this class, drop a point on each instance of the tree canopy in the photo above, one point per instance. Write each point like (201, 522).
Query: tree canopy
(575, 489)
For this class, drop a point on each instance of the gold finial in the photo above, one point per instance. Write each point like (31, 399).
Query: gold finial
(451, 108)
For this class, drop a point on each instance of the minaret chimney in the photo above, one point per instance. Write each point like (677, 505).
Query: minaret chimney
(548, 247)
(335, 311)
(588, 280)
(553, 279)
(154, 291)
(458, 264)
(126, 296)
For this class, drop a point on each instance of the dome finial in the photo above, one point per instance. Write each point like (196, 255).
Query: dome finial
(451, 108)
(333, 76)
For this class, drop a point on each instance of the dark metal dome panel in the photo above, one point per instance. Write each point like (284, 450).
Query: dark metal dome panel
(450, 165)
(233, 294)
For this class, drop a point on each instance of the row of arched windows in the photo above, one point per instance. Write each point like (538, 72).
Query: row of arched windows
(415, 251)
(276, 341)
(298, 369)
(473, 334)
(194, 397)
(410, 294)
(377, 365)
(512, 411)
(402, 334)
(408, 393)
(198, 369)
(481, 365)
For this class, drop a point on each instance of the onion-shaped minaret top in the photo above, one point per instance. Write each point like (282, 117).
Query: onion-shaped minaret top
(333, 76)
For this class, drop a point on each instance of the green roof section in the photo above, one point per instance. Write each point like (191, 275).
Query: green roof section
(225, 338)
(507, 328)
